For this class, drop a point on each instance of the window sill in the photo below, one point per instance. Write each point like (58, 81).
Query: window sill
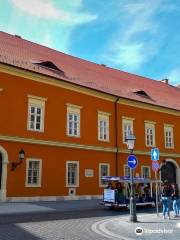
(33, 185)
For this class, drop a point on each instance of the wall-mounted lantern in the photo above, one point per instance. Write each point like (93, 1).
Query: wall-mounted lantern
(21, 158)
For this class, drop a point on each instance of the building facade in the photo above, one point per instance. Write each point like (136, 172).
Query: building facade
(71, 123)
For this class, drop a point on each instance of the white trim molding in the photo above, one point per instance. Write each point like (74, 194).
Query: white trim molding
(100, 173)
(56, 143)
(77, 174)
(5, 161)
(36, 102)
(39, 173)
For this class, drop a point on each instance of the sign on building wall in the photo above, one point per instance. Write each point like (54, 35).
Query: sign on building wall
(89, 173)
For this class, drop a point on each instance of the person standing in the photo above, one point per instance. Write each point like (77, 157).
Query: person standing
(175, 198)
(166, 200)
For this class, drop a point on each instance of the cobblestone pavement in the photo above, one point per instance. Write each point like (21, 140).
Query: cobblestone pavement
(87, 224)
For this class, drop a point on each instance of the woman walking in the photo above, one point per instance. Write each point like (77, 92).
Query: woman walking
(175, 198)
(166, 200)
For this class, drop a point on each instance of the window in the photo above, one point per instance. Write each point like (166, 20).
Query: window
(103, 126)
(150, 134)
(145, 171)
(168, 132)
(103, 171)
(127, 127)
(36, 108)
(126, 171)
(73, 120)
(33, 173)
(72, 173)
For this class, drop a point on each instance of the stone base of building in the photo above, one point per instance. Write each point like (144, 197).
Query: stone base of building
(52, 198)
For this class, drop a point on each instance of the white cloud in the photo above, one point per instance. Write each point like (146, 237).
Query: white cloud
(47, 10)
(129, 55)
(130, 48)
(55, 19)
(174, 76)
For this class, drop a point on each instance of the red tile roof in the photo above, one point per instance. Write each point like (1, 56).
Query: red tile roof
(27, 55)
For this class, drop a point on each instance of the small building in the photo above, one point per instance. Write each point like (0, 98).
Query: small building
(68, 119)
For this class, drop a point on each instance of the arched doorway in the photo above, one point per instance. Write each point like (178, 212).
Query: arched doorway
(168, 173)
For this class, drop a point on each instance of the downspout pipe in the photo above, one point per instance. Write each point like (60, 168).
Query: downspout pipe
(116, 135)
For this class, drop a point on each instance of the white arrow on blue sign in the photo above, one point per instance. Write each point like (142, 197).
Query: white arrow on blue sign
(155, 166)
(132, 161)
(154, 154)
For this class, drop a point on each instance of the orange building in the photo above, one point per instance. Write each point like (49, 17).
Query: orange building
(70, 117)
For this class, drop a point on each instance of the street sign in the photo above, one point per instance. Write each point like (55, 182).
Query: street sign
(132, 161)
(155, 166)
(154, 154)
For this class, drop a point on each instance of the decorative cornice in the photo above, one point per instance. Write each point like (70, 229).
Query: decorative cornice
(104, 113)
(148, 106)
(55, 82)
(147, 153)
(149, 122)
(37, 98)
(69, 105)
(56, 143)
(168, 125)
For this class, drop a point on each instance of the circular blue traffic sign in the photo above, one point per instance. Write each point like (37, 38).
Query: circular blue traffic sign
(132, 161)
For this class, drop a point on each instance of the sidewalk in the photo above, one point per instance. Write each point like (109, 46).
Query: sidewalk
(8, 208)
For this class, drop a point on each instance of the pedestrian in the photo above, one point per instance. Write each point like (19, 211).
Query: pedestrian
(166, 199)
(175, 198)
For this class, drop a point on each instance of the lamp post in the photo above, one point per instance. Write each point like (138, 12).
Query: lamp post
(130, 140)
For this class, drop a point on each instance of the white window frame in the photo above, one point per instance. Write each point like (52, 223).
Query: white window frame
(77, 180)
(36, 102)
(127, 121)
(151, 126)
(103, 116)
(142, 170)
(40, 172)
(125, 167)
(75, 110)
(100, 174)
(169, 128)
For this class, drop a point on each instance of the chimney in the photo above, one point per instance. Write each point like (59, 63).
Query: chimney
(165, 80)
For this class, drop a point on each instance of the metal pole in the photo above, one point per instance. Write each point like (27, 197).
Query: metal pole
(133, 217)
(157, 204)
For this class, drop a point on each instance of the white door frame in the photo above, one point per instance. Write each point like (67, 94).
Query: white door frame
(5, 161)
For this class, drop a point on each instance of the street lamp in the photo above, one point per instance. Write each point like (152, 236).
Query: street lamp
(130, 140)
(21, 158)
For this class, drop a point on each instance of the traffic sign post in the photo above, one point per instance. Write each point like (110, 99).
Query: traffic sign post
(132, 161)
(155, 167)
(154, 154)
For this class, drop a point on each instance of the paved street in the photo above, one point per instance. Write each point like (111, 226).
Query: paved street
(83, 220)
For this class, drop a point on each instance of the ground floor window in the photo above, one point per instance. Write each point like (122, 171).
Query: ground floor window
(145, 171)
(72, 173)
(126, 171)
(104, 170)
(33, 172)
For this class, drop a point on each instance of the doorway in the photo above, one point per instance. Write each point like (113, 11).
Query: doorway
(168, 173)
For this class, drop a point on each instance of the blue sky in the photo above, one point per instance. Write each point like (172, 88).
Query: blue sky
(138, 36)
